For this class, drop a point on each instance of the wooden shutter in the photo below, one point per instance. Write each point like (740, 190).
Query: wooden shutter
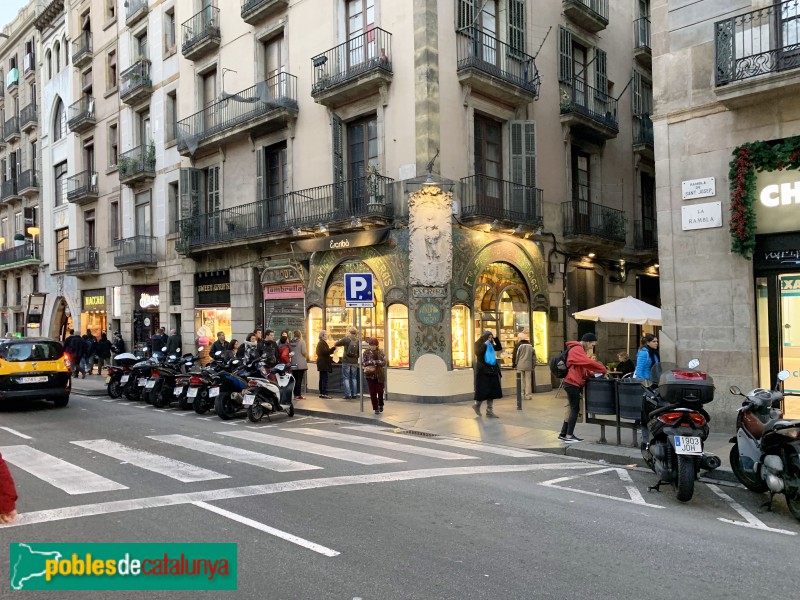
(516, 27)
(523, 168)
(213, 190)
(191, 190)
(465, 13)
(564, 56)
(260, 180)
(600, 71)
(636, 85)
(337, 138)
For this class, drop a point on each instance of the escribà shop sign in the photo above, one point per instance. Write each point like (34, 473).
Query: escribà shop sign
(213, 289)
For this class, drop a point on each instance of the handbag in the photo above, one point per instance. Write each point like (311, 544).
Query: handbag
(370, 370)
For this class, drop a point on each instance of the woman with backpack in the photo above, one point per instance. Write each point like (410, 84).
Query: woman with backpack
(487, 373)
(580, 367)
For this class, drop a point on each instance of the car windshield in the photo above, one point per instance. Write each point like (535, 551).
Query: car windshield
(22, 351)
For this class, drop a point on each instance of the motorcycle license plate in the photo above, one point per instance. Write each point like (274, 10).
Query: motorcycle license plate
(108, 379)
(213, 392)
(248, 399)
(178, 390)
(688, 445)
(142, 382)
(151, 383)
(125, 379)
(191, 393)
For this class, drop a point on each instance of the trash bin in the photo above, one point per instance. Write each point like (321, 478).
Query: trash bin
(629, 397)
(601, 396)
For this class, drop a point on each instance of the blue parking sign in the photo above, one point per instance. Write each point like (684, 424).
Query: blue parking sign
(358, 291)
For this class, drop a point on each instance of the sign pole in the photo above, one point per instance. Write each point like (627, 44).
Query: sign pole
(360, 366)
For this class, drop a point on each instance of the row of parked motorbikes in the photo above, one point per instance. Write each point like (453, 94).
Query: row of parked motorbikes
(229, 386)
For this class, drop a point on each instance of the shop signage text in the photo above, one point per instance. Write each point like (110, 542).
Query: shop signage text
(149, 300)
(280, 274)
(280, 291)
(429, 314)
(94, 300)
(428, 292)
(214, 287)
(778, 206)
(698, 188)
(358, 239)
(790, 286)
(780, 195)
(701, 216)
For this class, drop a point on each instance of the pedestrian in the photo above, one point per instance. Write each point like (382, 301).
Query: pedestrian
(647, 357)
(118, 345)
(8, 494)
(73, 346)
(324, 362)
(103, 352)
(232, 350)
(220, 345)
(524, 361)
(625, 365)
(284, 351)
(374, 363)
(487, 373)
(266, 347)
(247, 349)
(87, 353)
(580, 367)
(349, 363)
(260, 340)
(174, 342)
(299, 362)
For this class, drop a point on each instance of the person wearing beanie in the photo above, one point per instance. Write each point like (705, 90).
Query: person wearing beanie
(487, 373)
(580, 367)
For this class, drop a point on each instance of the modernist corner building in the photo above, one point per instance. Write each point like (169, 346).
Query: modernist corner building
(727, 132)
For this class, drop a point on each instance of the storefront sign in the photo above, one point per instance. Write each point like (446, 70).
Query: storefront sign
(701, 216)
(357, 239)
(790, 285)
(146, 296)
(281, 291)
(698, 188)
(429, 314)
(213, 289)
(94, 300)
(428, 292)
(778, 205)
(280, 274)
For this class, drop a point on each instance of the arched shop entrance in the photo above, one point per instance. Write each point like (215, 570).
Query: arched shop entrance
(61, 322)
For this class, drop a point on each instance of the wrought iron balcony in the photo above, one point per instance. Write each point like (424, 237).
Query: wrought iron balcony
(82, 188)
(29, 65)
(587, 109)
(29, 117)
(138, 164)
(489, 199)
(19, 256)
(136, 10)
(495, 68)
(8, 190)
(82, 50)
(359, 67)
(367, 197)
(643, 135)
(11, 129)
(135, 83)
(134, 252)
(641, 46)
(645, 235)
(201, 34)
(81, 115)
(587, 219)
(267, 106)
(84, 260)
(28, 183)
(592, 15)
(255, 11)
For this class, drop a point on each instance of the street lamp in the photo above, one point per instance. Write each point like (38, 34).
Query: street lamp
(33, 231)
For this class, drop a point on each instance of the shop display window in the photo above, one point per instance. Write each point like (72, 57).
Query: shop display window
(314, 327)
(339, 318)
(94, 321)
(540, 335)
(397, 344)
(214, 320)
(462, 338)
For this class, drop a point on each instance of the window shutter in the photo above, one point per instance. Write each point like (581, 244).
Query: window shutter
(516, 27)
(523, 167)
(600, 72)
(465, 13)
(260, 192)
(213, 189)
(638, 105)
(337, 137)
(564, 56)
(191, 188)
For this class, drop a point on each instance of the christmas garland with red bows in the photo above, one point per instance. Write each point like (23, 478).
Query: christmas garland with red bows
(748, 159)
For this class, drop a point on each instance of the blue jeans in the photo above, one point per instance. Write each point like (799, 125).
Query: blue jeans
(87, 364)
(350, 379)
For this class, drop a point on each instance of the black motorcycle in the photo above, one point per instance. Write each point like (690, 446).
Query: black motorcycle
(117, 376)
(166, 375)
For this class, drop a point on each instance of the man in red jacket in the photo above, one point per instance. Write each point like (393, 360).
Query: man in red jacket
(8, 494)
(580, 367)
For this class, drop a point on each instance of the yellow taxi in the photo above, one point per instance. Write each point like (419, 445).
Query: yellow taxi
(35, 369)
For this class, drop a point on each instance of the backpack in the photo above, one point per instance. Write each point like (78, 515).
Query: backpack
(558, 364)
(352, 349)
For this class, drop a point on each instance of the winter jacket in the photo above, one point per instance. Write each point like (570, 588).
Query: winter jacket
(580, 366)
(174, 344)
(103, 348)
(373, 357)
(283, 354)
(268, 350)
(526, 356)
(73, 346)
(644, 363)
(345, 343)
(221, 346)
(487, 377)
(324, 360)
(8, 492)
(300, 358)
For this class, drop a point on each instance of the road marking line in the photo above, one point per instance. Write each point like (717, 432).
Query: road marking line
(270, 530)
(256, 459)
(396, 446)
(59, 473)
(17, 433)
(149, 461)
(104, 508)
(108, 399)
(361, 458)
(752, 522)
(143, 406)
(180, 414)
(635, 495)
(231, 422)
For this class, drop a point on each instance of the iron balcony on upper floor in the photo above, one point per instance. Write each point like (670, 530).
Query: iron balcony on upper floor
(137, 165)
(645, 237)
(643, 136)
(592, 15)
(83, 261)
(340, 205)
(360, 67)
(758, 55)
(201, 34)
(11, 129)
(28, 183)
(589, 227)
(8, 190)
(29, 118)
(589, 111)
(82, 50)
(137, 252)
(135, 11)
(265, 107)
(82, 188)
(136, 85)
(255, 11)
(27, 253)
(81, 115)
(503, 204)
(641, 41)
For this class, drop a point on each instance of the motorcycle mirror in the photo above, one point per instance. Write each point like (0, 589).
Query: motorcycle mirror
(164, 349)
(694, 363)
(735, 390)
(784, 375)
(218, 353)
(178, 350)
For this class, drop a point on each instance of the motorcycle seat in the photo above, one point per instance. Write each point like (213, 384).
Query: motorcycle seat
(782, 424)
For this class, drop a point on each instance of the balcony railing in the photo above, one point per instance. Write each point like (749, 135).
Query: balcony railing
(370, 51)
(200, 33)
(642, 130)
(136, 250)
(641, 33)
(645, 235)
(28, 181)
(82, 49)
(82, 186)
(81, 114)
(277, 92)
(135, 11)
(591, 14)
(255, 10)
(8, 189)
(11, 128)
(586, 218)
(592, 103)
(28, 117)
(762, 41)
(83, 260)
(135, 81)
(491, 198)
(485, 53)
(137, 163)
(370, 196)
(27, 251)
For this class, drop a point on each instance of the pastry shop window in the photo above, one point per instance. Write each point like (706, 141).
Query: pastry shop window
(314, 327)
(540, 330)
(215, 320)
(397, 343)
(462, 337)
(338, 318)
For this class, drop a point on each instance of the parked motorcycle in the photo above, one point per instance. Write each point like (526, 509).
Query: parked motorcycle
(134, 384)
(118, 374)
(678, 426)
(765, 455)
(182, 381)
(149, 379)
(272, 394)
(227, 390)
(165, 376)
(200, 383)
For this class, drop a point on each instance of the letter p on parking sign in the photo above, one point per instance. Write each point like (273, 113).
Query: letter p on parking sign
(358, 290)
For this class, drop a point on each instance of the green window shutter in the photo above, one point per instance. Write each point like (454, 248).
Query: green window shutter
(600, 72)
(337, 137)
(523, 167)
(636, 85)
(465, 13)
(190, 192)
(564, 56)
(260, 191)
(516, 27)
(213, 189)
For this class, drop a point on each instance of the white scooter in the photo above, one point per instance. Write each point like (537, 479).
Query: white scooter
(272, 394)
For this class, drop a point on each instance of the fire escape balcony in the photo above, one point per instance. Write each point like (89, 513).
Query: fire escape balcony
(589, 111)
(83, 261)
(255, 11)
(265, 107)
(360, 67)
(137, 165)
(589, 227)
(11, 130)
(29, 118)
(201, 34)
(136, 10)
(344, 205)
(642, 51)
(502, 204)
(643, 136)
(82, 188)
(28, 183)
(136, 86)
(137, 252)
(82, 50)
(592, 15)
(495, 69)
(8, 191)
(27, 253)
(81, 115)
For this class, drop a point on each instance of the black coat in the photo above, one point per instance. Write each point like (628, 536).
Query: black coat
(73, 345)
(103, 348)
(487, 377)
(324, 360)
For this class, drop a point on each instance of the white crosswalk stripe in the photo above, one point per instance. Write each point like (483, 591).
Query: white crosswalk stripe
(156, 463)
(255, 459)
(375, 443)
(303, 446)
(59, 473)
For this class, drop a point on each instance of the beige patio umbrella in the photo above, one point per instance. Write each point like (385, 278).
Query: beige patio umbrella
(628, 310)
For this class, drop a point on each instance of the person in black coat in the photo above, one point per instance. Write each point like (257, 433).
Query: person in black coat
(324, 362)
(102, 350)
(487, 375)
(73, 346)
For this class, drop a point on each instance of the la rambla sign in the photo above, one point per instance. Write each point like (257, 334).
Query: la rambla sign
(778, 205)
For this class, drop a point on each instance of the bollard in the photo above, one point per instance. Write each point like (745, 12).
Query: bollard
(519, 390)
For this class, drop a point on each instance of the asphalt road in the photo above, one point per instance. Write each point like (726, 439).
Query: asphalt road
(329, 509)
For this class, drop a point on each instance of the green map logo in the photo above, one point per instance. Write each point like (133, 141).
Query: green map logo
(122, 566)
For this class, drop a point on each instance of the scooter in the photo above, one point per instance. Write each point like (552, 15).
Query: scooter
(270, 395)
(765, 455)
(228, 394)
(678, 426)
(117, 376)
(165, 376)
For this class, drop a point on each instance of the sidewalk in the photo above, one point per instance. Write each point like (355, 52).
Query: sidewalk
(535, 427)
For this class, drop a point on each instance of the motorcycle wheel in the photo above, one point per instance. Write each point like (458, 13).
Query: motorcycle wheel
(159, 395)
(290, 410)
(183, 403)
(115, 389)
(146, 396)
(255, 412)
(129, 393)
(686, 477)
(223, 406)
(751, 482)
(200, 403)
(793, 496)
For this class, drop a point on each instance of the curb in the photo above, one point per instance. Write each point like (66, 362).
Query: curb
(340, 417)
